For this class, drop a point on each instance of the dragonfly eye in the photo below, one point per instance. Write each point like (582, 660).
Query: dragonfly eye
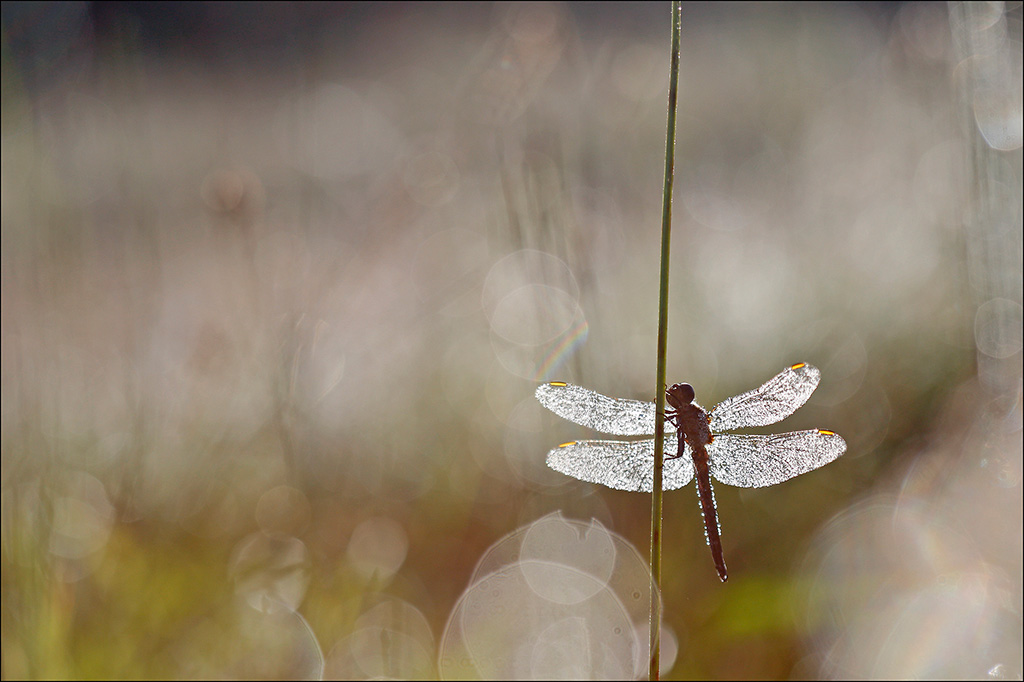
(680, 395)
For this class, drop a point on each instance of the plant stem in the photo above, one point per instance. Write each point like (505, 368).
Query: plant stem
(659, 420)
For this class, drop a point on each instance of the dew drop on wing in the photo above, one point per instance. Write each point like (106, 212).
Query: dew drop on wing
(771, 402)
(616, 416)
(622, 465)
(760, 461)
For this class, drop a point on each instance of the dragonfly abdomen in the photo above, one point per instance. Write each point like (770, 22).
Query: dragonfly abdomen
(709, 509)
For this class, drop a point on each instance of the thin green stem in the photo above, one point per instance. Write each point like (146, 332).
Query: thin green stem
(659, 420)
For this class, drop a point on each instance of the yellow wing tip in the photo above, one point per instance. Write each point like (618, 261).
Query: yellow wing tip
(565, 445)
(826, 432)
(798, 365)
(560, 384)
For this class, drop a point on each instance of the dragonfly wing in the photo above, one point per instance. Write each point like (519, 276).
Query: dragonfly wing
(616, 416)
(759, 461)
(623, 465)
(775, 400)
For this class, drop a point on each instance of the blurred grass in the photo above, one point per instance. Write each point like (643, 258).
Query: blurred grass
(231, 268)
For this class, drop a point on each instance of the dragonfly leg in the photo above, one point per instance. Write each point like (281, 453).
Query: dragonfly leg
(675, 456)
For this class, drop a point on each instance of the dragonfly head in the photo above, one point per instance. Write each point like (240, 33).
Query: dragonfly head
(680, 395)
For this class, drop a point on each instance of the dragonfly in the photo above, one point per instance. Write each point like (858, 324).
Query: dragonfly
(694, 442)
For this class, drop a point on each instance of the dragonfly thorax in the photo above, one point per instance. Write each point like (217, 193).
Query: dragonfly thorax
(692, 422)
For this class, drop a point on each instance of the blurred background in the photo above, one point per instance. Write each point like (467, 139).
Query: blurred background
(279, 281)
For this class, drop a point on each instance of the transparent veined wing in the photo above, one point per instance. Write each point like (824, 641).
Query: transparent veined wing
(623, 465)
(759, 461)
(617, 416)
(775, 400)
